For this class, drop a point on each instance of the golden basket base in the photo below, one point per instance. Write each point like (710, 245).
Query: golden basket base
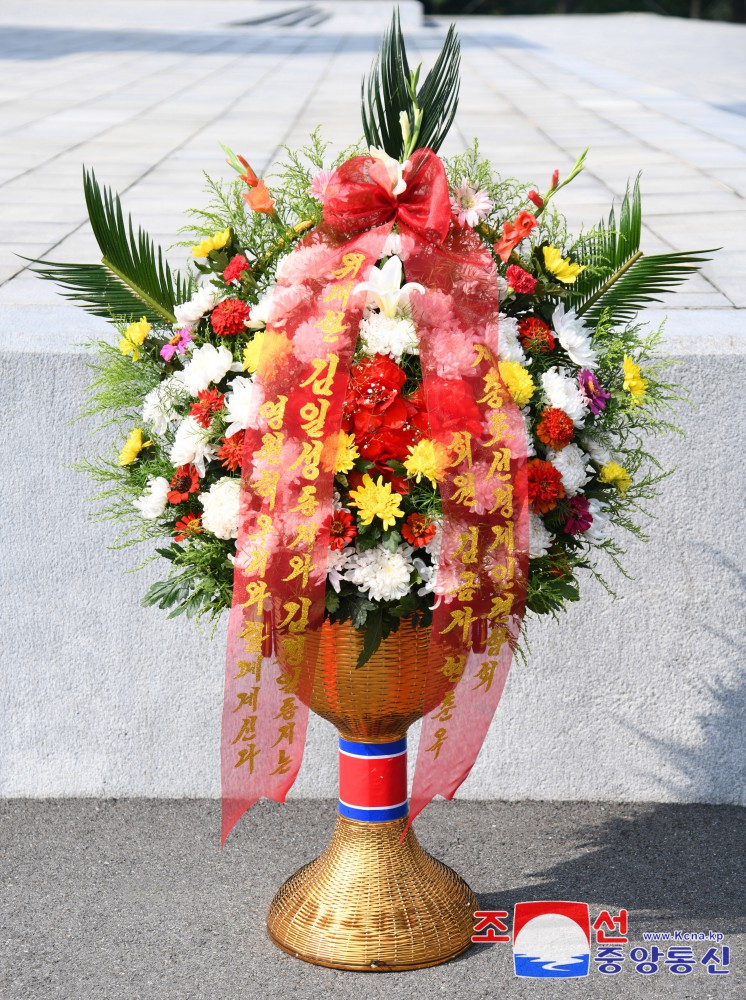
(371, 904)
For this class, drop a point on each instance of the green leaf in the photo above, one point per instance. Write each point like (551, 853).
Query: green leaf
(132, 280)
(331, 601)
(619, 278)
(389, 89)
(373, 636)
(359, 611)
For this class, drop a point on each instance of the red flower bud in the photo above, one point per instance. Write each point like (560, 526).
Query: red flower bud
(536, 198)
(555, 180)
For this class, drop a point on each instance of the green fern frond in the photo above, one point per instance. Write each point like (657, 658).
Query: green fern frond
(132, 279)
(390, 89)
(619, 277)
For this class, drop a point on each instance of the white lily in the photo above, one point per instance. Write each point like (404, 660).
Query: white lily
(385, 289)
(394, 169)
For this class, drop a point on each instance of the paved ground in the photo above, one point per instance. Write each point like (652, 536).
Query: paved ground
(144, 92)
(103, 900)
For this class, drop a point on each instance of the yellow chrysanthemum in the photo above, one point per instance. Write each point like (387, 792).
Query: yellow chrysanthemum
(616, 475)
(346, 453)
(377, 500)
(517, 381)
(133, 337)
(268, 349)
(560, 266)
(426, 458)
(634, 384)
(132, 447)
(215, 242)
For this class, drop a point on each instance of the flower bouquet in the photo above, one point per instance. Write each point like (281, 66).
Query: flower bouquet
(393, 406)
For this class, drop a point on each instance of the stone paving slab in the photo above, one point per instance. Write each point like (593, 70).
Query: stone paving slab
(144, 93)
(117, 900)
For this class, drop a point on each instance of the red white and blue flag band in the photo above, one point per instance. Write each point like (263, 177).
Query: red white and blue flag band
(373, 780)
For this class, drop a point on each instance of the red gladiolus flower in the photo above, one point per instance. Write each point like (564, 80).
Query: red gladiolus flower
(555, 180)
(555, 429)
(535, 335)
(249, 177)
(536, 198)
(210, 402)
(236, 266)
(579, 518)
(544, 486)
(229, 316)
(185, 481)
(418, 530)
(513, 234)
(189, 524)
(230, 451)
(341, 529)
(259, 199)
(520, 281)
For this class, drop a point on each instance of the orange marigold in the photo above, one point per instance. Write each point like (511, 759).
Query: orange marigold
(544, 486)
(555, 429)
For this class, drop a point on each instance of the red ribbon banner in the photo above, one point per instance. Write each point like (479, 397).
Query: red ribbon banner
(287, 484)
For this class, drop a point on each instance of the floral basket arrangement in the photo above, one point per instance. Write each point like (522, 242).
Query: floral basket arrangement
(393, 407)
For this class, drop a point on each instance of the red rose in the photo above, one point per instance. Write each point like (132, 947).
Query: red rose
(374, 384)
(229, 316)
(520, 281)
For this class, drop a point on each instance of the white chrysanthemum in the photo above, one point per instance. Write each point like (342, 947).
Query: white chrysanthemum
(597, 450)
(152, 503)
(539, 537)
(574, 337)
(429, 575)
(242, 404)
(508, 345)
(337, 561)
(220, 506)
(207, 364)
(383, 334)
(381, 574)
(598, 531)
(160, 405)
(259, 314)
(572, 465)
(530, 449)
(203, 300)
(191, 445)
(564, 394)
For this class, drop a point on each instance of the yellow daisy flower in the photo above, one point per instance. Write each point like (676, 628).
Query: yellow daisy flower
(133, 337)
(377, 500)
(560, 266)
(517, 381)
(346, 453)
(616, 475)
(426, 458)
(634, 384)
(132, 447)
(215, 242)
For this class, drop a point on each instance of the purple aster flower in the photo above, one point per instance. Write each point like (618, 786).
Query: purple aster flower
(579, 519)
(593, 392)
(177, 343)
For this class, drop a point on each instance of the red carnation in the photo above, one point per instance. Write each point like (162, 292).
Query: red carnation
(236, 266)
(520, 281)
(418, 530)
(189, 524)
(341, 529)
(228, 317)
(555, 429)
(185, 481)
(535, 335)
(210, 402)
(544, 486)
(230, 451)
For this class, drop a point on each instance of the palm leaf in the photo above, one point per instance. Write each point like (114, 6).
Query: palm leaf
(386, 93)
(132, 279)
(619, 277)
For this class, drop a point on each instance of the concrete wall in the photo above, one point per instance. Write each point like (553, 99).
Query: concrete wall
(638, 699)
